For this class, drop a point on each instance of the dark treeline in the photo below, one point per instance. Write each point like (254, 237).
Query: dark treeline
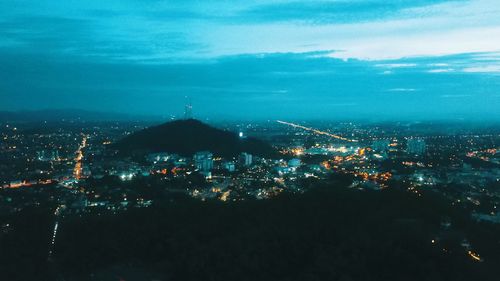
(24, 244)
(325, 234)
(328, 233)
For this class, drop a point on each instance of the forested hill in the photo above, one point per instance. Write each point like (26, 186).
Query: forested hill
(186, 137)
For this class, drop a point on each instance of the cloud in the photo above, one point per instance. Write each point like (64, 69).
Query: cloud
(301, 55)
(62, 37)
(455, 96)
(441, 70)
(396, 65)
(457, 63)
(483, 69)
(157, 31)
(438, 64)
(323, 12)
(402, 90)
(274, 85)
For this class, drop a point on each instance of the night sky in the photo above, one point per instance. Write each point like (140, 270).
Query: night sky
(422, 59)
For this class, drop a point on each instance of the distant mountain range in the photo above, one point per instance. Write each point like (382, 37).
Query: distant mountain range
(55, 115)
(186, 137)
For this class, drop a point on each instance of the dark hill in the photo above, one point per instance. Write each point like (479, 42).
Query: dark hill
(186, 137)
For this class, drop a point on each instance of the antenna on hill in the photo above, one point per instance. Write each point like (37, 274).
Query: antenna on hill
(188, 109)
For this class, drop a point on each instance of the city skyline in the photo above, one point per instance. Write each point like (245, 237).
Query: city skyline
(283, 140)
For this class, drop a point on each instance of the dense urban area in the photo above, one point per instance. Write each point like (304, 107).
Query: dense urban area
(69, 172)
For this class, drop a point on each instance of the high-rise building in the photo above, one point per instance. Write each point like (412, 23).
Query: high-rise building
(380, 145)
(415, 146)
(294, 163)
(246, 159)
(52, 155)
(203, 161)
(229, 166)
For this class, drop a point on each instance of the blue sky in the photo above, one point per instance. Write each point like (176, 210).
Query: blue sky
(423, 59)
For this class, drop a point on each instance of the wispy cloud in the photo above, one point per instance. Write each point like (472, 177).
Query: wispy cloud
(457, 63)
(441, 70)
(455, 96)
(302, 84)
(160, 31)
(306, 53)
(438, 64)
(483, 69)
(402, 90)
(324, 11)
(396, 65)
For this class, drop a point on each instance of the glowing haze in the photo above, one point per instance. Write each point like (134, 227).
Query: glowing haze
(420, 59)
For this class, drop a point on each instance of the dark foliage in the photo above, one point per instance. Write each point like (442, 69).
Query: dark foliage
(326, 234)
(186, 137)
(24, 245)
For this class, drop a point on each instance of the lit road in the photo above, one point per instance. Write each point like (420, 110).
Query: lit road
(315, 131)
(77, 171)
(52, 245)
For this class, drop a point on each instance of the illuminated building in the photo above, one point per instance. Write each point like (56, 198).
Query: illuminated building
(246, 159)
(294, 163)
(203, 161)
(48, 155)
(230, 166)
(415, 146)
(380, 145)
